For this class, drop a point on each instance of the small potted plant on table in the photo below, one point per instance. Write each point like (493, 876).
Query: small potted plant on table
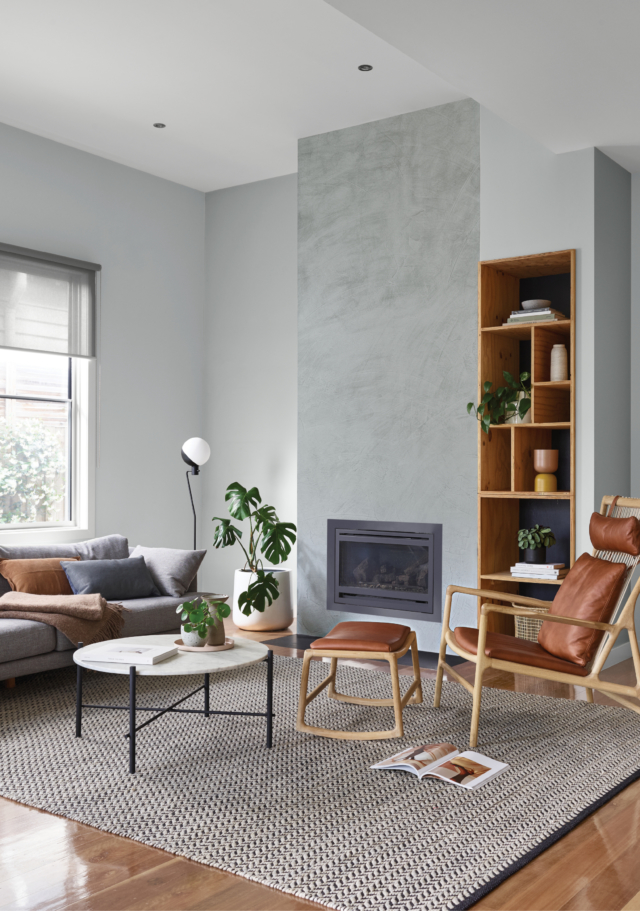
(203, 621)
(534, 542)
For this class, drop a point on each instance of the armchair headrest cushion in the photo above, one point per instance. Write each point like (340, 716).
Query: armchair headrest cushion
(589, 591)
(622, 536)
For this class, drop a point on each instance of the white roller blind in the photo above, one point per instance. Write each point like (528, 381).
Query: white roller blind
(46, 306)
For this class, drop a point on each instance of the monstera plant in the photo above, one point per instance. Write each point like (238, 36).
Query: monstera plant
(268, 536)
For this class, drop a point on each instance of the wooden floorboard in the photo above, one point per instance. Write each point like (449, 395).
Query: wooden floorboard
(48, 863)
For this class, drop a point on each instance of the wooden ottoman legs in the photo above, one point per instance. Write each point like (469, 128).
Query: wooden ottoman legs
(413, 694)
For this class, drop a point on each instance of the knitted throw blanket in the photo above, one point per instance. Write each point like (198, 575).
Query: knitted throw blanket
(81, 618)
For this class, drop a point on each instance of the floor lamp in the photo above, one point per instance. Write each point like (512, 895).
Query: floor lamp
(195, 453)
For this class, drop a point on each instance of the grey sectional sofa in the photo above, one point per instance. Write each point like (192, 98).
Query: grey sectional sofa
(27, 647)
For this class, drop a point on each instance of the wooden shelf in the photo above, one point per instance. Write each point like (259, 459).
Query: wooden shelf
(507, 577)
(528, 494)
(506, 474)
(523, 332)
(556, 384)
(560, 425)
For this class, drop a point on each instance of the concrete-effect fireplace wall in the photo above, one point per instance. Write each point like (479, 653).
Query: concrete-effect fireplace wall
(389, 220)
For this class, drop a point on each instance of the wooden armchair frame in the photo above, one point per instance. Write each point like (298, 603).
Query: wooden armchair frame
(520, 606)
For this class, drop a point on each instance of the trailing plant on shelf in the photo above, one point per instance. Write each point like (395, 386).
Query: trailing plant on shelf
(535, 538)
(267, 534)
(504, 402)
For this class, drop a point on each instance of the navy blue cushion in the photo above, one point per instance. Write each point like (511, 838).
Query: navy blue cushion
(115, 580)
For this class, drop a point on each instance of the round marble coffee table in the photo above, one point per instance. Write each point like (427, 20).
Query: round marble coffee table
(245, 653)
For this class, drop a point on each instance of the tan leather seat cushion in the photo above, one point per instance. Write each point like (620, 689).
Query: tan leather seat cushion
(508, 648)
(364, 637)
(590, 591)
(620, 536)
(37, 577)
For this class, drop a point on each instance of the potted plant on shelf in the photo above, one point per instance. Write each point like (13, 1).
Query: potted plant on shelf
(534, 542)
(261, 597)
(508, 404)
(203, 621)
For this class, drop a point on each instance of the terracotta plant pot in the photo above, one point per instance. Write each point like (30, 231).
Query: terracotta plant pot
(545, 460)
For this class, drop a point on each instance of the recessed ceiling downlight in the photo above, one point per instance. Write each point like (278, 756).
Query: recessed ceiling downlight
(365, 67)
(159, 126)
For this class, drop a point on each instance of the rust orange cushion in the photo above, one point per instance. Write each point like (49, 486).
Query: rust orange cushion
(44, 576)
(364, 637)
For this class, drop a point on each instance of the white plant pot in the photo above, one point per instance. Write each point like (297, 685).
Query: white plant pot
(516, 419)
(192, 639)
(278, 615)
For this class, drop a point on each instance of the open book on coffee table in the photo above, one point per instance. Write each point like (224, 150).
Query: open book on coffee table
(468, 770)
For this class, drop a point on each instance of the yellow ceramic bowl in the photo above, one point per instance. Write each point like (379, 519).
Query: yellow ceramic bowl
(545, 483)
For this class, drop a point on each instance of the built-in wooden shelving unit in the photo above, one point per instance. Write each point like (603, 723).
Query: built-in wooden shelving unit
(506, 498)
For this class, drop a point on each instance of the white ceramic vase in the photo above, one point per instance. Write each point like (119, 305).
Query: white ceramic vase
(192, 639)
(559, 364)
(278, 615)
(516, 419)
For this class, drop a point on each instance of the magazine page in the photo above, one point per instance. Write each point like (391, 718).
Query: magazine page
(418, 760)
(468, 770)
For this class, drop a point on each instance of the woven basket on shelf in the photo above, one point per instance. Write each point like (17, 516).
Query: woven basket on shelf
(529, 627)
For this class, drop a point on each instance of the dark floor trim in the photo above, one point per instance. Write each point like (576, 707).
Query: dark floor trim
(548, 841)
(428, 660)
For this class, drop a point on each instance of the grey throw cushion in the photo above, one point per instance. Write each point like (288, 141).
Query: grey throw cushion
(171, 570)
(115, 580)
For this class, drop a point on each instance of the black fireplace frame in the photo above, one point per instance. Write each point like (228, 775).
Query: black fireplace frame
(404, 606)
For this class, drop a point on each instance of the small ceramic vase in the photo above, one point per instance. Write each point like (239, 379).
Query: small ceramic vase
(545, 460)
(215, 633)
(192, 639)
(559, 364)
(545, 483)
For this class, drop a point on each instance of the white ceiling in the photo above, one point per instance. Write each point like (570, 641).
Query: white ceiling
(567, 72)
(237, 82)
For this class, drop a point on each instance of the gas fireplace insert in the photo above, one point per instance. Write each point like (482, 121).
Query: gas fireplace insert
(391, 569)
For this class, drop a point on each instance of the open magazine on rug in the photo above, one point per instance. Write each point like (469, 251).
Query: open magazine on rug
(468, 770)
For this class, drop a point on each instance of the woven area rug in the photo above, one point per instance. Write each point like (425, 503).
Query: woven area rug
(308, 816)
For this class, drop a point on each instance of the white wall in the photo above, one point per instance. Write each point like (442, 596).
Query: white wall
(148, 235)
(532, 201)
(250, 365)
(635, 334)
(612, 402)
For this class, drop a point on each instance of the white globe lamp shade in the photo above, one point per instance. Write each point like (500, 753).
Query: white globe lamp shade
(197, 450)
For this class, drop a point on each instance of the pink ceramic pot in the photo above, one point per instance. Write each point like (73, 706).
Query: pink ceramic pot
(545, 460)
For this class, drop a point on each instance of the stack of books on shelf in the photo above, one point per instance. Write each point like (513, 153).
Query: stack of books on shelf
(553, 571)
(543, 315)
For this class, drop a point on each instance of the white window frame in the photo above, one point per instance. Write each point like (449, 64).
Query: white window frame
(83, 461)
(84, 434)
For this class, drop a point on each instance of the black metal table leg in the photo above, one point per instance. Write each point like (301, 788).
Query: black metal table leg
(269, 698)
(79, 670)
(206, 695)
(132, 719)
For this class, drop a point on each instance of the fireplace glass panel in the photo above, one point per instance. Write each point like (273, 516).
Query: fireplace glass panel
(381, 566)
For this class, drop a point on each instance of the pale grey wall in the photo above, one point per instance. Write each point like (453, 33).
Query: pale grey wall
(251, 356)
(532, 201)
(388, 249)
(635, 335)
(148, 234)
(612, 404)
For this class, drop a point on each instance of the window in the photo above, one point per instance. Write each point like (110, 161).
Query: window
(46, 349)
(36, 438)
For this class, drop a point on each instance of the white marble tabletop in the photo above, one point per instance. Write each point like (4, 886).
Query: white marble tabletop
(245, 652)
